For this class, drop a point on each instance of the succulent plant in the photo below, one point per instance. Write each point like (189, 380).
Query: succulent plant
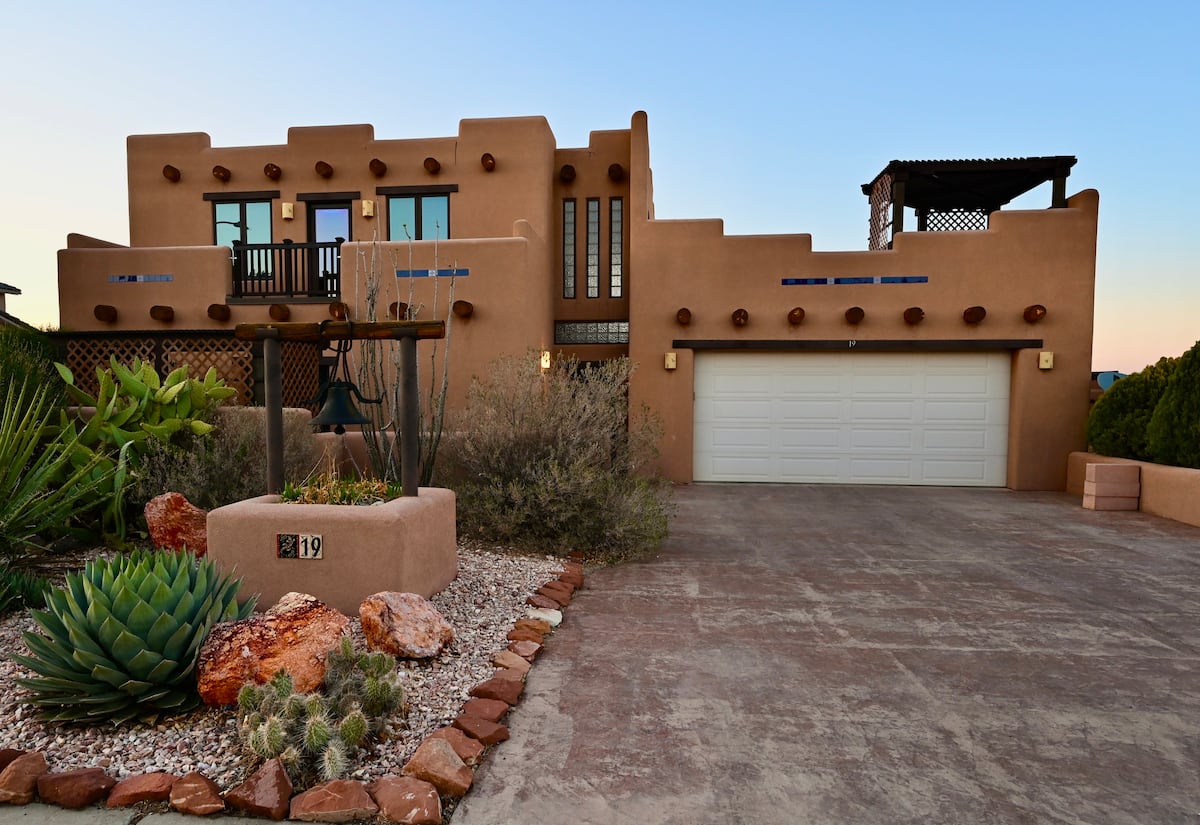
(20, 589)
(121, 638)
(316, 735)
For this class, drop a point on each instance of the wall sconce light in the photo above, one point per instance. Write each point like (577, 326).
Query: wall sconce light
(670, 361)
(974, 315)
(1034, 313)
(432, 166)
(1045, 360)
(855, 315)
(171, 173)
(368, 209)
(378, 168)
(796, 316)
(914, 315)
(567, 173)
(545, 362)
(287, 210)
(222, 174)
(740, 317)
(272, 171)
(323, 169)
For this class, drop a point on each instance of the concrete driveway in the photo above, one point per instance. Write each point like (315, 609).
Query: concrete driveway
(829, 655)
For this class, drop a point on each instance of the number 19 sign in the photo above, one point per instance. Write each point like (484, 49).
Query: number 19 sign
(297, 546)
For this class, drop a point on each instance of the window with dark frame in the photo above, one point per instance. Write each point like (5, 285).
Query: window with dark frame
(419, 217)
(568, 248)
(616, 247)
(593, 247)
(243, 221)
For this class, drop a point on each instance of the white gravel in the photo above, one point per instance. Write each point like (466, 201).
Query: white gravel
(482, 604)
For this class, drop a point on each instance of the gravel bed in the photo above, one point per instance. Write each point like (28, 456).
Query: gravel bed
(482, 604)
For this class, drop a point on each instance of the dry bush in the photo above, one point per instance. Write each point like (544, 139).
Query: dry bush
(552, 461)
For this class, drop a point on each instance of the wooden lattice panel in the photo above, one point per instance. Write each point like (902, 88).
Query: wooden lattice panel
(956, 220)
(85, 355)
(301, 366)
(881, 213)
(233, 360)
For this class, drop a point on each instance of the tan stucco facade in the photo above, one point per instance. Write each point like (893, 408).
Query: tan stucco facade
(506, 232)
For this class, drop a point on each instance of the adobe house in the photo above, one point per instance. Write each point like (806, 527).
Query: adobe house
(955, 349)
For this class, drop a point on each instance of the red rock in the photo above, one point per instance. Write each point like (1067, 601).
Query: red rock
(536, 625)
(572, 577)
(7, 756)
(509, 673)
(265, 793)
(294, 635)
(19, 780)
(404, 625)
(488, 733)
(196, 794)
(510, 660)
(338, 801)
(524, 634)
(407, 800)
(176, 524)
(74, 789)
(436, 762)
(559, 591)
(489, 709)
(526, 650)
(147, 787)
(504, 690)
(538, 600)
(469, 750)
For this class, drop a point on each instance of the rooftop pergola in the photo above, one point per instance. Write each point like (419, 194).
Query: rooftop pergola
(957, 194)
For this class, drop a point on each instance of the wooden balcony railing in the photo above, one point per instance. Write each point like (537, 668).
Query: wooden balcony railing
(310, 270)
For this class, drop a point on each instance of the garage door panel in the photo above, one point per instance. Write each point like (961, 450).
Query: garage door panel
(853, 418)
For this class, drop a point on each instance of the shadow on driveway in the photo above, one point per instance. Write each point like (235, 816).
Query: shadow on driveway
(828, 655)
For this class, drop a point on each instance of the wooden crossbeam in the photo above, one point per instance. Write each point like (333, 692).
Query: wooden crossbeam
(334, 330)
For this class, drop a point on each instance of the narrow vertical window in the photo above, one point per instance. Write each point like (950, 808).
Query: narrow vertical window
(616, 248)
(568, 250)
(593, 247)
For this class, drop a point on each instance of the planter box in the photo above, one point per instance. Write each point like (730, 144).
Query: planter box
(1170, 492)
(339, 553)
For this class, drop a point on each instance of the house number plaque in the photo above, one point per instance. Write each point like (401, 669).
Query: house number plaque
(297, 546)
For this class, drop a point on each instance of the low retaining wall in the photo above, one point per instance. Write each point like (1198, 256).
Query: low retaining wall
(1170, 492)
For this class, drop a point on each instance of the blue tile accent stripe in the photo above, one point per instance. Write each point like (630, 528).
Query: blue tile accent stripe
(432, 273)
(139, 279)
(876, 279)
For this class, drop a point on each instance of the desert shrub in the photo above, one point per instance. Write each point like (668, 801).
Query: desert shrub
(330, 488)
(227, 465)
(1174, 429)
(27, 356)
(20, 588)
(553, 460)
(317, 735)
(1120, 418)
(120, 640)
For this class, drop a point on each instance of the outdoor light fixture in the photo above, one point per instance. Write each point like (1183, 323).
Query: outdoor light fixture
(337, 408)
(545, 359)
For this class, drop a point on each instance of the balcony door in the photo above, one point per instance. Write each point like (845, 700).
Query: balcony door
(328, 223)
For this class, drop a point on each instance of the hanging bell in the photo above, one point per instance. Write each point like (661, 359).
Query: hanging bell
(338, 409)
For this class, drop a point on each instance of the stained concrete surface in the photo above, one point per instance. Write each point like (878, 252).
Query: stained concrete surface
(828, 655)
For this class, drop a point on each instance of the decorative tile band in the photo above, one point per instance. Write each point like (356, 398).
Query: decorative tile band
(877, 279)
(432, 273)
(139, 279)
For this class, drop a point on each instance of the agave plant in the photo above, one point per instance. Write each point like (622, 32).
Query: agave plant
(121, 638)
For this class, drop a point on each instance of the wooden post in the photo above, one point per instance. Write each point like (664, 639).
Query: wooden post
(273, 369)
(410, 418)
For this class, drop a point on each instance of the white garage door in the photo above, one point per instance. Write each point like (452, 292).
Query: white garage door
(852, 418)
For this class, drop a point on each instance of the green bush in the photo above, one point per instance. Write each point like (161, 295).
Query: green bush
(27, 356)
(225, 466)
(43, 485)
(1120, 418)
(1174, 429)
(315, 735)
(553, 460)
(120, 640)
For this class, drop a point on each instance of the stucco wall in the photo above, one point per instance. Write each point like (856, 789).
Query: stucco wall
(1170, 492)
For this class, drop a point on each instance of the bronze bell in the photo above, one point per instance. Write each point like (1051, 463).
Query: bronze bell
(338, 409)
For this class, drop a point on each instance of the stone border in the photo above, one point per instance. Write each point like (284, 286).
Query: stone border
(441, 769)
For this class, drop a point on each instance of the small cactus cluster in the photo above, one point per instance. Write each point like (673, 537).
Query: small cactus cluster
(315, 735)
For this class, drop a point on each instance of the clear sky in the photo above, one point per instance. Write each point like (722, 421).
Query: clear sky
(830, 91)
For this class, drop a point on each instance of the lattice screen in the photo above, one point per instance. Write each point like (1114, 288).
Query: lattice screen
(301, 364)
(955, 220)
(233, 359)
(881, 213)
(84, 355)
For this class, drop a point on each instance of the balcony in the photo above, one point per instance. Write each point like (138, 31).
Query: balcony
(288, 270)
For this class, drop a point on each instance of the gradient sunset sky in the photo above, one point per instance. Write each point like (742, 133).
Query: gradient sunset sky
(768, 115)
